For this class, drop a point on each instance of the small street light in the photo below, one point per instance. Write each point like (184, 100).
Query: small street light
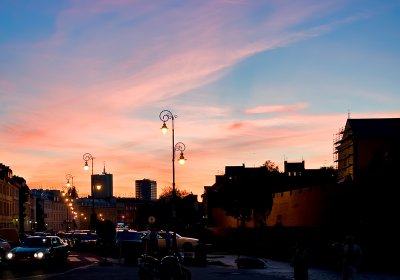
(93, 217)
(180, 147)
(68, 199)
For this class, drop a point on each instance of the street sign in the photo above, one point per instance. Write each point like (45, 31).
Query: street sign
(151, 220)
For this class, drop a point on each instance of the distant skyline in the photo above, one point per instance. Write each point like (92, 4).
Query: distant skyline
(249, 81)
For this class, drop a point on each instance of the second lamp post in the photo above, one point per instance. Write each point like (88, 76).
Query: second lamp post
(68, 197)
(93, 216)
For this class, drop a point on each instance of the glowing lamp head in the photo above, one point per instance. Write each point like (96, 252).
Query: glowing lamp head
(164, 128)
(86, 167)
(68, 184)
(98, 187)
(181, 159)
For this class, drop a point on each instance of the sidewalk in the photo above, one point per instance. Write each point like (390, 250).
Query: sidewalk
(285, 271)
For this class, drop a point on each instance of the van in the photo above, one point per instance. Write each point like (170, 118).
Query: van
(11, 235)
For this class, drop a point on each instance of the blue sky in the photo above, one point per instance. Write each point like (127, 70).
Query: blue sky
(249, 81)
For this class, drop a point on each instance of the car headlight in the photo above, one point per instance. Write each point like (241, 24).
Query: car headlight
(38, 255)
(9, 256)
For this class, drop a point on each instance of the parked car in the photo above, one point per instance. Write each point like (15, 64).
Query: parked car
(39, 249)
(184, 244)
(84, 241)
(5, 247)
(11, 235)
(67, 237)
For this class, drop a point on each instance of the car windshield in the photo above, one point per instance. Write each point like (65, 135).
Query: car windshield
(162, 234)
(89, 237)
(85, 236)
(37, 242)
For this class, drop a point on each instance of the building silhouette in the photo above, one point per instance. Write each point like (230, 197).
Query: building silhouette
(8, 198)
(146, 189)
(102, 185)
(367, 153)
(359, 197)
(363, 142)
(51, 210)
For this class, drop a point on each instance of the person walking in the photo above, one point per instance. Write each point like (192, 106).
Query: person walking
(300, 261)
(351, 258)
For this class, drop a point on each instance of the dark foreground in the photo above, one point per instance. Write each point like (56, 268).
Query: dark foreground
(219, 266)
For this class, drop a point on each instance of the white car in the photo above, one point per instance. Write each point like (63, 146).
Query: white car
(185, 244)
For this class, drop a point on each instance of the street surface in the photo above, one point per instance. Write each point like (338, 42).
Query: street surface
(88, 267)
(75, 260)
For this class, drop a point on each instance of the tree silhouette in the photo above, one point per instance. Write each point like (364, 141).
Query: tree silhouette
(185, 206)
(166, 193)
(271, 166)
(72, 192)
(246, 193)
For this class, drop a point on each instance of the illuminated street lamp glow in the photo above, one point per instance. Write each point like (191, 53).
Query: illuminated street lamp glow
(164, 128)
(181, 159)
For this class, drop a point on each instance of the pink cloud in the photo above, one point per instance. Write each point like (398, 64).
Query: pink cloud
(276, 109)
(102, 93)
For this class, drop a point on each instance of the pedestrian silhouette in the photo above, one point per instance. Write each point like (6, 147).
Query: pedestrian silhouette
(168, 241)
(153, 248)
(174, 243)
(300, 261)
(351, 258)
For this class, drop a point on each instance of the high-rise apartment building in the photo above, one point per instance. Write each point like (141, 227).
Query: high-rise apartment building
(102, 185)
(146, 189)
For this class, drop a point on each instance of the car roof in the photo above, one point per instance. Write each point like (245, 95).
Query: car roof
(42, 236)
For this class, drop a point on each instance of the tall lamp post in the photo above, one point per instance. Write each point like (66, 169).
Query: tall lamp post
(166, 115)
(86, 158)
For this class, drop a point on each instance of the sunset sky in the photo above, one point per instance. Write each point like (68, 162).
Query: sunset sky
(249, 81)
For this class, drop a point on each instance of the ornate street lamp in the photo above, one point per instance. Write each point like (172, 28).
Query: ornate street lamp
(67, 195)
(86, 158)
(166, 115)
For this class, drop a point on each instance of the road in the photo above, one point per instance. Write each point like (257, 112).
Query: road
(75, 260)
(91, 267)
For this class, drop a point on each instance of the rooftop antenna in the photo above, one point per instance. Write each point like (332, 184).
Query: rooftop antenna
(104, 169)
(348, 114)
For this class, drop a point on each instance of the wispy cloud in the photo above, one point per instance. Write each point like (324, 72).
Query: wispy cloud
(277, 109)
(97, 81)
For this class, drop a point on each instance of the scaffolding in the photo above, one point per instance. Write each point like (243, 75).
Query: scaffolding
(337, 140)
